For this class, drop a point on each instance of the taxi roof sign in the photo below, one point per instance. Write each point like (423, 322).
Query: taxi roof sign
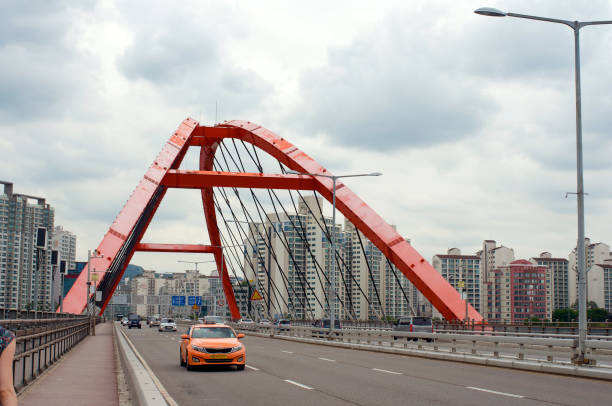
(256, 295)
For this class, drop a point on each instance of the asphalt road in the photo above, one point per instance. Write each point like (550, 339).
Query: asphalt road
(283, 372)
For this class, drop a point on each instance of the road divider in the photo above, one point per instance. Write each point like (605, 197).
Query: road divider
(145, 387)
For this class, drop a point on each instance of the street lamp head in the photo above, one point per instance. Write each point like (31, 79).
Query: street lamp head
(490, 11)
(375, 174)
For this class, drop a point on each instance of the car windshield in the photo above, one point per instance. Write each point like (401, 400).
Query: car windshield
(167, 321)
(213, 332)
(421, 321)
(134, 317)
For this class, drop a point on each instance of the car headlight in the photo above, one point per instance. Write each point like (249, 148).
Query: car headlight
(236, 348)
(200, 349)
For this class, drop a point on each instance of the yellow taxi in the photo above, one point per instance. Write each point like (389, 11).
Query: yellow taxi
(212, 344)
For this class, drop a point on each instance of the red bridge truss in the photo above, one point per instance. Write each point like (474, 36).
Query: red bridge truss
(124, 236)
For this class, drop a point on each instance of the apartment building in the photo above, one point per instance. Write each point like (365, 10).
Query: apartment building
(26, 229)
(558, 284)
(492, 257)
(517, 291)
(600, 285)
(594, 253)
(463, 270)
(289, 258)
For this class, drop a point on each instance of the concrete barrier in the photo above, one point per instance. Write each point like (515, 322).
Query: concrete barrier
(145, 388)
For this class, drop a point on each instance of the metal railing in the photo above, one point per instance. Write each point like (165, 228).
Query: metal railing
(542, 349)
(41, 342)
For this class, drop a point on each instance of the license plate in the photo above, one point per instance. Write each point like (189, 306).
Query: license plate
(218, 356)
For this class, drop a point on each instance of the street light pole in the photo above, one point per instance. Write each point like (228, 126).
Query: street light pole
(89, 307)
(332, 276)
(575, 26)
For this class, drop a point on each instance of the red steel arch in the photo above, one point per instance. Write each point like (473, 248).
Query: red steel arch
(123, 238)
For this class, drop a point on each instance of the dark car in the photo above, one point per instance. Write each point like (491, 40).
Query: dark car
(134, 321)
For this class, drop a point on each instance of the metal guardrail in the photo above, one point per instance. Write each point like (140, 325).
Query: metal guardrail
(567, 328)
(545, 349)
(41, 342)
(12, 314)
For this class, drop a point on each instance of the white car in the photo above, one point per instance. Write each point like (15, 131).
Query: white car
(246, 321)
(167, 325)
(124, 321)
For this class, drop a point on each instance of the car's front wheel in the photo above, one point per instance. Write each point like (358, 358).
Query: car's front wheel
(189, 366)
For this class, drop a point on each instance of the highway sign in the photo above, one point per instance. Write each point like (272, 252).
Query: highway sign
(194, 300)
(461, 284)
(256, 295)
(178, 300)
(220, 302)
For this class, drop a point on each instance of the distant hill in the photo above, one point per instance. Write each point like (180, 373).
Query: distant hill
(131, 271)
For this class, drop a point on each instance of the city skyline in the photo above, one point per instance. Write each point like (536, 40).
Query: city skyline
(474, 134)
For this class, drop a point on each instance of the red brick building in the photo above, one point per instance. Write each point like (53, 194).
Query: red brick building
(517, 292)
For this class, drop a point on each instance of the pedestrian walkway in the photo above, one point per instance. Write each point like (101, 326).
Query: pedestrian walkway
(86, 375)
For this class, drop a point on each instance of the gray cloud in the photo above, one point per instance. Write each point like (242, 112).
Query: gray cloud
(40, 71)
(386, 91)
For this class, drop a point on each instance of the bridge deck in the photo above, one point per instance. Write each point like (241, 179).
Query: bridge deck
(87, 375)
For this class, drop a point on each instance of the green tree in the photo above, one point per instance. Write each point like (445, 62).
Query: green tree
(597, 314)
(567, 314)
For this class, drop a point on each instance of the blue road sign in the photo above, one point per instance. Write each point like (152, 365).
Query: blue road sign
(178, 300)
(194, 300)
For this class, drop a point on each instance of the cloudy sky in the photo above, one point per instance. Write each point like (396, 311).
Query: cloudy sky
(471, 119)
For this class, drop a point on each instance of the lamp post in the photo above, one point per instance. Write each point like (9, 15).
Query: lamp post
(332, 276)
(575, 26)
(89, 309)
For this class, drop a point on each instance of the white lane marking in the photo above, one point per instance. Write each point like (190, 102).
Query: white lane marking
(253, 368)
(327, 359)
(495, 392)
(298, 384)
(288, 352)
(384, 370)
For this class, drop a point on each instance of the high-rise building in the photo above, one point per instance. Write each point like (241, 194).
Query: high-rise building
(289, 258)
(26, 227)
(558, 285)
(517, 291)
(491, 257)
(460, 270)
(600, 285)
(594, 253)
(64, 242)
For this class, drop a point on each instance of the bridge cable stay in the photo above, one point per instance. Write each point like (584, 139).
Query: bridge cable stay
(397, 280)
(381, 308)
(266, 242)
(276, 202)
(223, 193)
(318, 267)
(260, 209)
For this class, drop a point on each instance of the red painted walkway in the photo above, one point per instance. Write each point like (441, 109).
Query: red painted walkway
(87, 375)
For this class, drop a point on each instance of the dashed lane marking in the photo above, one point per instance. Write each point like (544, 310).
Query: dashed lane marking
(298, 384)
(287, 352)
(327, 359)
(253, 368)
(388, 372)
(512, 395)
